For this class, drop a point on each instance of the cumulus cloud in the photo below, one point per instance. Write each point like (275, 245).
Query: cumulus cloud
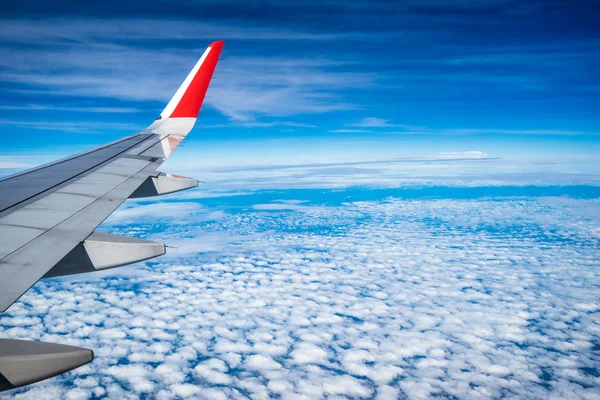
(379, 298)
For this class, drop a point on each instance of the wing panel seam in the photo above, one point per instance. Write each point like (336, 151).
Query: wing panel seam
(45, 231)
(70, 180)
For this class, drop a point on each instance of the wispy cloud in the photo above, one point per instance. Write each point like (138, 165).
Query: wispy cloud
(389, 132)
(90, 60)
(96, 127)
(94, 30)
(14, 165)
(385, 126)
(461, 154)
(20, 162)
(373, 68)
(374, 122)
(41, 107)
(552, 132)
(258, 124)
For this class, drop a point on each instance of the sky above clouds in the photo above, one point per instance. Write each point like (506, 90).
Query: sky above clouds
(310, 81)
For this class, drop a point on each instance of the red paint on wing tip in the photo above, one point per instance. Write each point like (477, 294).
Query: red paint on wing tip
(191, 101)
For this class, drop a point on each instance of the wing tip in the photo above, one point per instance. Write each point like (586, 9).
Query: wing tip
(188, 99)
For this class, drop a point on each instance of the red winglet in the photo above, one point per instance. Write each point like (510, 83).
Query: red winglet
(191, 101)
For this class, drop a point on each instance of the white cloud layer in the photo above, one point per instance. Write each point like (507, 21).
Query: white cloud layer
(473, 168)
(382, 299)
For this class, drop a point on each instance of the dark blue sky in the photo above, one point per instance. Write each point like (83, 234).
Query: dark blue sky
(316, 79)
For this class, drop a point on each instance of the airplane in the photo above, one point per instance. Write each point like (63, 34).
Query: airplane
(48, 217)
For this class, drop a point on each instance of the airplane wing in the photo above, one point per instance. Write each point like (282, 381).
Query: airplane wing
(48, 216)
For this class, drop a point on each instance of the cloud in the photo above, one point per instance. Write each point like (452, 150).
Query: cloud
(262, 362)
(40, 107)
(279, 205)
(14, 164)
(257, 124)
(95, 30)
(471, 168)
(307, 353)
(361, 130)
(461, 154)
(374, 122)
(415, 298)
(241, 91)
(89, 59)
(284, 67)
(381, 126)
(209, 242)
(466, 9)
(92, 127)
(173, 212)
(552, 132)
(245, 91)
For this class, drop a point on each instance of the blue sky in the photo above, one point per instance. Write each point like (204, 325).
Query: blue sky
(309, 82)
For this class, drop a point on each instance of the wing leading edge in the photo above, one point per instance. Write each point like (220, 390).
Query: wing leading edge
(48, 214)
